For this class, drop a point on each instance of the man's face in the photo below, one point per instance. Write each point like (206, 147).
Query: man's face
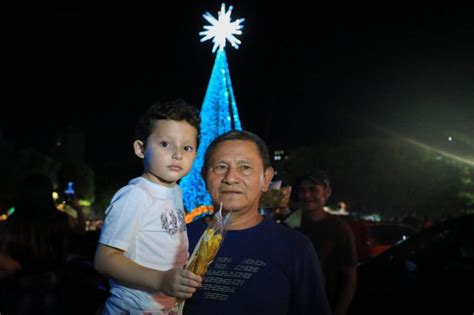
(313, 196)
(236, 176)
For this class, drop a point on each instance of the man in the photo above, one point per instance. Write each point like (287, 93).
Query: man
(331, 237)
(262, 267)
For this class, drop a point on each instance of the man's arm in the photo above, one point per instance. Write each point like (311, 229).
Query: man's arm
(176, 282)
(347, 290)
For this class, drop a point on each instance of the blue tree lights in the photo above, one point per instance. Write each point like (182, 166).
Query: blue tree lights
(219, 110)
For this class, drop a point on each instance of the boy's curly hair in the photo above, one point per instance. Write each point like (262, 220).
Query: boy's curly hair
(178, 110)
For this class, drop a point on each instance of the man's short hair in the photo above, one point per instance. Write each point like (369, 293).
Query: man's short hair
(239, 135)
(317, 177)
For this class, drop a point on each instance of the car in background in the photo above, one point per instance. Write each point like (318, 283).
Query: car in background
(431, 272)
(373, 238)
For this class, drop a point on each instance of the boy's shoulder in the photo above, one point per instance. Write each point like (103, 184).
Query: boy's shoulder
(132, 190)
(143, 186)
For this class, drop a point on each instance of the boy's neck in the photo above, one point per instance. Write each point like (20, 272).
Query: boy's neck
(158, 181)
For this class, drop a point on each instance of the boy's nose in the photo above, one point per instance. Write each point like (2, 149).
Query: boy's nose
(177, 155)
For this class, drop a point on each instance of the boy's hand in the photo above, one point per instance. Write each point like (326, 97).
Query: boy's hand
(180, 283)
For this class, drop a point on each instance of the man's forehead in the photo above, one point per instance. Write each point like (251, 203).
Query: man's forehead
(306, 183)
(236, 150)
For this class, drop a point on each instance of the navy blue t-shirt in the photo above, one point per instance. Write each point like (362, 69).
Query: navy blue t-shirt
(267, 269)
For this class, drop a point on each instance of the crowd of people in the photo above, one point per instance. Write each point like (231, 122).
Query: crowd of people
(45, 256)
(301, 264)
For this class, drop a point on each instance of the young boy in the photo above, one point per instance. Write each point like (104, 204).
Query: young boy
(143, 243)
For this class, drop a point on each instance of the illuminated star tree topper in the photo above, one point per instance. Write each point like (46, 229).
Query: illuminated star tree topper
(222, 29)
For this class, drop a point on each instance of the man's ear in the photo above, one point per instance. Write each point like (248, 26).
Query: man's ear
(139, 148)
(328, 192)
(267, 178)
(204, 175)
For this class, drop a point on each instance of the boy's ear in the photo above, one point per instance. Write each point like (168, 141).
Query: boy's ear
(139, 148)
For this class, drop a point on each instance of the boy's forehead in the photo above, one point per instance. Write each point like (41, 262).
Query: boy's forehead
(170, 125)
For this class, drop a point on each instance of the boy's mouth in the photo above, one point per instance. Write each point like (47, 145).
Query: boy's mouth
(175, 167)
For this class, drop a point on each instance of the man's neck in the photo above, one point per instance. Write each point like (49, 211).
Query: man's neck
(314, 215)
(242, 221)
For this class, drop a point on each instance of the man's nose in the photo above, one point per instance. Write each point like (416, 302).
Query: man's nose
(303, 193)
(231, 176)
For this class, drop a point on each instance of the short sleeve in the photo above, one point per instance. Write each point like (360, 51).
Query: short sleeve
(122, 217)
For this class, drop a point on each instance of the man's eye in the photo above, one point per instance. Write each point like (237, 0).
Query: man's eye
(245, 168)
(164, 144)
(220, 168)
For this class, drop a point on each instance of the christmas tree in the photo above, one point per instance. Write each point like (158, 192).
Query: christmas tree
(219, 110)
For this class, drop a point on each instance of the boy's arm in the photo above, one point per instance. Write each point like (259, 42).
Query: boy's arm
(176, 282)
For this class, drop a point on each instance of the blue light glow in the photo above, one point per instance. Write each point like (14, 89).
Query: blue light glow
(70, 189)
(218, 115)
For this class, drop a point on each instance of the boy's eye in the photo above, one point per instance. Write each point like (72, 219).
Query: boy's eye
(164, 144)
(188, 148)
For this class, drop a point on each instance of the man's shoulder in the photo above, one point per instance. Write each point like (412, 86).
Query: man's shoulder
(286, 234)
(293, 220)
(340, 222)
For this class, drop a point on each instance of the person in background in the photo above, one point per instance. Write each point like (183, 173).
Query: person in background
(33, 250)
(143, 243)
(261, 267)
(332, 238)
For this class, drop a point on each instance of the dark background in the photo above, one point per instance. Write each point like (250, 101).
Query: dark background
(300, 76)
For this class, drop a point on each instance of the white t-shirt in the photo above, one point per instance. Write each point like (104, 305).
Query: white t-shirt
(146, 221)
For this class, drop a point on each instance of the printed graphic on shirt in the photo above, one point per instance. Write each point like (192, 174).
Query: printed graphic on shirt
(173, 221)
(221, 281)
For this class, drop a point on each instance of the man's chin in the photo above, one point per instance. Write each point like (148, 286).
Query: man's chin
(310, 206)
(231, 206)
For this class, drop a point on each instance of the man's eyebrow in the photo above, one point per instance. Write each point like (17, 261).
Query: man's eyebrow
(244, 161)
(218, 162)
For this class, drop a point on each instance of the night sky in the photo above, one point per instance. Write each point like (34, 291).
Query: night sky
(299, 76)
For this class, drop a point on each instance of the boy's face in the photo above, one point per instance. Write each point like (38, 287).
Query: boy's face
(169, 151)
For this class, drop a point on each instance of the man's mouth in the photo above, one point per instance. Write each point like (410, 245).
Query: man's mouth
(226, 192)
